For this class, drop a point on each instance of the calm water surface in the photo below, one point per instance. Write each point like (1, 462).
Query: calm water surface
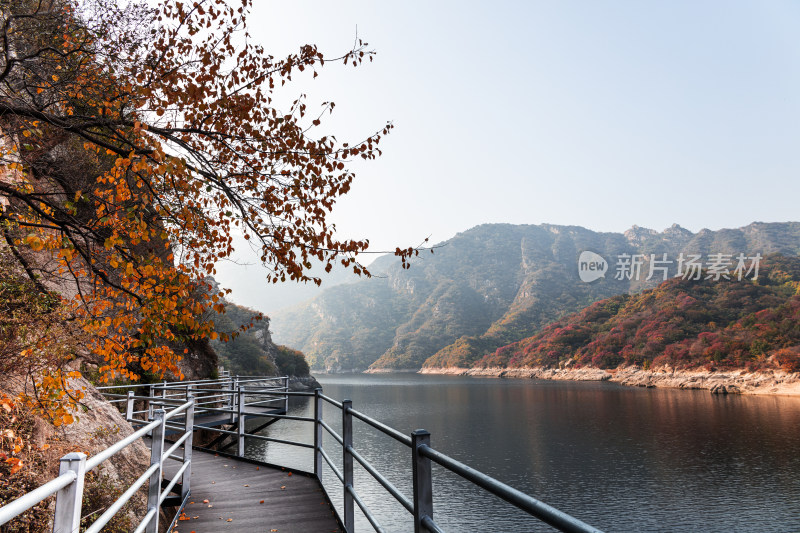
(619, 458)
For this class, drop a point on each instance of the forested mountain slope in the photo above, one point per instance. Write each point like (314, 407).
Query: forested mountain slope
(488, 287)
(684, 324)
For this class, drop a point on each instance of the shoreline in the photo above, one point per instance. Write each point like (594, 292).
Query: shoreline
(771, 382)
(390, 371)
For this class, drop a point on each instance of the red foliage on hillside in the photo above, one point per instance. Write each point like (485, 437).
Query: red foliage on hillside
(682, 323)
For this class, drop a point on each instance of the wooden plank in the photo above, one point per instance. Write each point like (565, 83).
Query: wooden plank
(235, 489)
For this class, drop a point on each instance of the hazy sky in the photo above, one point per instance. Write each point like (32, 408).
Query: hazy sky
(598, 114)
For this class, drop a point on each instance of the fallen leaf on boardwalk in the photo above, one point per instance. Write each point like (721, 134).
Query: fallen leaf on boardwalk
(183, 517)
(213, 482)
(247, 485)
(283, 487)
(273, 530)
(229, 520)
(191, 503)
(210, 505)
(205, 501)
(262, 501)
(290, 473)
(258, 468)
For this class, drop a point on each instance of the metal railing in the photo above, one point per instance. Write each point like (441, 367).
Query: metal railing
(68, 486)
(420, 504)
(240, 399)
(240, 394)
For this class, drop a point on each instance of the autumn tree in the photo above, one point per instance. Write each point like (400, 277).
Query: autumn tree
(137, 141)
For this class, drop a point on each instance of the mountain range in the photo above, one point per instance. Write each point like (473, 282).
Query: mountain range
(497, 284)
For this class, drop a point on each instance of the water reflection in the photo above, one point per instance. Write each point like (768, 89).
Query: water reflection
(623, 459)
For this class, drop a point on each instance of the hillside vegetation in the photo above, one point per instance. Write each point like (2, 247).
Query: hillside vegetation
(252, 352)
(683, 324)
(486, 288)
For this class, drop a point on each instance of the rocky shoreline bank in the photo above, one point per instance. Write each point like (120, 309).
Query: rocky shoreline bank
(390, 371)
(303, 384)
(775, 382)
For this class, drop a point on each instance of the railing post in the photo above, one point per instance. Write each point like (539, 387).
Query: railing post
(68, 501)
(129, 408)
(156, 452)
(286, 396)
(423, 485)
(347, 464)
(187, 448)
(240, 405)
(318, 434)
(150, 402)
(232, 397)
(150, 409)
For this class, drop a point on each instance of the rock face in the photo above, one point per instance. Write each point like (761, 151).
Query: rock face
(252, 352)
(99, 426)
(487, 287)
(307, 383)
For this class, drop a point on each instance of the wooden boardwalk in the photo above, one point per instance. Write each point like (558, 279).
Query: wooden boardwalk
(235, 490)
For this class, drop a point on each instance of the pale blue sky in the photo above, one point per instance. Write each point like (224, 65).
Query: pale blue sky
(599, 114)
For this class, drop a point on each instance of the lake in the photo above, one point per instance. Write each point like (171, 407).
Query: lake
(619, 458)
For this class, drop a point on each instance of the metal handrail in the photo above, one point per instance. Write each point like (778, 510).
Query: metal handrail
(68, 486)
(396, 435)
(106, 517)
(328, 460)
(431, 526)
(394, 491)
(529, 504)
(422, 487)
(331, 401)
(367, 513)
(34, 497)
(332, 433)
(168, 488)
(96, 459)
